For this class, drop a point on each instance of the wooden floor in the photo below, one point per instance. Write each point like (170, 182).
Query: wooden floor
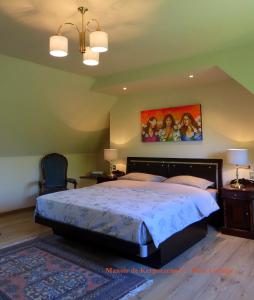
(219, 267)
(19, 226)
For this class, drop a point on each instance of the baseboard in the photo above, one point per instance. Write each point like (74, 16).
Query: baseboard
(20, 210)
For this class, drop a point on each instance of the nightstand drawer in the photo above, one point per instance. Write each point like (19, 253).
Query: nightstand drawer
(235, 194)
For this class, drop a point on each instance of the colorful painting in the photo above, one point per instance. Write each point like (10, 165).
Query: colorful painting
(174, 124)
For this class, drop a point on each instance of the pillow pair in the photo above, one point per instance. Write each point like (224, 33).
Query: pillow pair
(184, 179)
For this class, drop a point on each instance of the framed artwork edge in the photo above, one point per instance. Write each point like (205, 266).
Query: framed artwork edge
(172, 124)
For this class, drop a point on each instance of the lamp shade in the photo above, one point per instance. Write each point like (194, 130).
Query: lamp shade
(58, 46)
(90, 58)
(238, 156)
(99, 41)
(110, 154)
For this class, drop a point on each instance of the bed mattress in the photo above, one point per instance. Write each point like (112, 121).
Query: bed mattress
(130, 210)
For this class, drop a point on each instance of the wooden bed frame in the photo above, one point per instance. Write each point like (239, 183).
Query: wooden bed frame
(210, 169)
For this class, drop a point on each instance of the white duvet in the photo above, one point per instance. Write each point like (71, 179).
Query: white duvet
(130, 210)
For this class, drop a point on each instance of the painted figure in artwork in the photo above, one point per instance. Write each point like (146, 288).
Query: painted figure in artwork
(150, 133)
(169, 130)
(190, 129)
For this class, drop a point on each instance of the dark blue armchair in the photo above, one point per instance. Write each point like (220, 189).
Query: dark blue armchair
(54, 174)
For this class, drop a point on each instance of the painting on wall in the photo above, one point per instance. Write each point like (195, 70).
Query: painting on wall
(174, 124)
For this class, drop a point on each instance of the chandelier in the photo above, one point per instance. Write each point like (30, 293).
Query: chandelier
(98, 41)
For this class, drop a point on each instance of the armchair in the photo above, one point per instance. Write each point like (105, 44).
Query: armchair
(54, 174)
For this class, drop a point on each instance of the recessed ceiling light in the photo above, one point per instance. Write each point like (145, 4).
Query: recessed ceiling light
(125, 88)
(191, 76)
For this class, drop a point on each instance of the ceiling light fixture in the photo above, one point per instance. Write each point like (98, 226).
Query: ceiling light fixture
(125, 88)
(98, 41)
(191, 76)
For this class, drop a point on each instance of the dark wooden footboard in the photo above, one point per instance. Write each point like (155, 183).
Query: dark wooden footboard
(157, 257)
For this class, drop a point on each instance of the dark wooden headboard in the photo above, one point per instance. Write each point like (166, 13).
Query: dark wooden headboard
(210, 169)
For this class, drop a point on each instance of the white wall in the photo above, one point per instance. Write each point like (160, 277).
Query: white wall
(19, 178)
(227, 112)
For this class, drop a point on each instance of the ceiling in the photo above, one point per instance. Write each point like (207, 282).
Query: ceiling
(141, 32)
(168, 82)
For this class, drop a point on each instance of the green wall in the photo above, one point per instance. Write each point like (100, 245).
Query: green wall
(45, 110)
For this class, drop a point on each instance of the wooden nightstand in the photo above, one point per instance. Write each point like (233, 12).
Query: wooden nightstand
(105, 178)
(238, 211)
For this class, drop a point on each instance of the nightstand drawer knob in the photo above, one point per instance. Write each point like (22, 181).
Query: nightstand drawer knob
(247, 213)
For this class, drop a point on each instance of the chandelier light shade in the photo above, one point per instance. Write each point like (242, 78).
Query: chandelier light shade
(90, 58)
(58, 46)
(99, 41)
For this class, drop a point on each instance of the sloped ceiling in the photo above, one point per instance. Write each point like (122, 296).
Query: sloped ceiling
(167, 82)
(141, 32)
(44, 110)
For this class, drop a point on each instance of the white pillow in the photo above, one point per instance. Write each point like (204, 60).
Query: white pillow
(190, 180)
(142, 177)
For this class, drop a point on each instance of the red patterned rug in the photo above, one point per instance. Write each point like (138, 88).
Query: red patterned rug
(40, 269)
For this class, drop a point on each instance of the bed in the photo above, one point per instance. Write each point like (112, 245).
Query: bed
(149, 246)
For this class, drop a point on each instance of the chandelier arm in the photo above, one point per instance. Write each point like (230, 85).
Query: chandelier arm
(93, 20)
(66, 23)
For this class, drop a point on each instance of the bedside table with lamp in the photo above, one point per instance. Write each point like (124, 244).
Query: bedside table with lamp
(111, 155)
(238, 199)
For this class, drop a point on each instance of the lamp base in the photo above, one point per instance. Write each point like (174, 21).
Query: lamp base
(111, 175)
(236, 185)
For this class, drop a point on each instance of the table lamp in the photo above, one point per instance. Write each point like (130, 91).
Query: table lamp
(239, 158)
(110, 155)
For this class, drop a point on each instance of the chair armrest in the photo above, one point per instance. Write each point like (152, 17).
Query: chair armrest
(41, 183)
(41, 186)
(73, 181)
